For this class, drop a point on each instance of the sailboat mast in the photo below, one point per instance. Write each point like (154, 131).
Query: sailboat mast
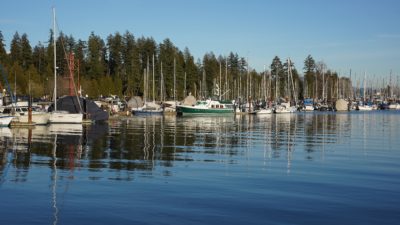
(226, 75)
(55, 57)
(162, 84)
(153, 81)
(174, 79)
(365, 77)
(220, 80)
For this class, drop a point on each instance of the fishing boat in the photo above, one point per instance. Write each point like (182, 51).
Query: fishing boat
(206, 107)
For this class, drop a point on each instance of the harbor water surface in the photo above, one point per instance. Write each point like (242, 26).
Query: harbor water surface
(303, 168)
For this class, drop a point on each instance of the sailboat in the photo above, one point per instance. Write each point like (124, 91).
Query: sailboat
(362, 106)
(5, 120)
(149, 108)
(60, 116)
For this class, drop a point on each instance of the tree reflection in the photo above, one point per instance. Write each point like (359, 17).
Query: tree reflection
(119, 149)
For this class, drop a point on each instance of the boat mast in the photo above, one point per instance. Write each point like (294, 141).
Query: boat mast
(184, 86)
(365, 77)
(153, 81)
(226, 75)
(54, 53)
(220, 80)
(161, 85)
(174, 80)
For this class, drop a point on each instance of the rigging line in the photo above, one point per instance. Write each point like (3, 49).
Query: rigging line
(68, 64)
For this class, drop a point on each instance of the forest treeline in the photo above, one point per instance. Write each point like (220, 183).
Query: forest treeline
(118, 65)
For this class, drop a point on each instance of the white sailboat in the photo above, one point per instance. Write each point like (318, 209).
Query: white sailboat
(60, 116)
(362, 105)
(5, 120)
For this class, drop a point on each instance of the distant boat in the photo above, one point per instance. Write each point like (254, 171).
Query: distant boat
(284, 108)
(5, 120)
(206, 107)
(364, 107)
(308, 104)
(264, 111)
(149, 108)
(394, 106)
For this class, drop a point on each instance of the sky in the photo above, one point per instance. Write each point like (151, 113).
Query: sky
(358, 35)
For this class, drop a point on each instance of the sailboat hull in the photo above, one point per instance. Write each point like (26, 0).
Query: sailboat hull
(37, 118)
(5, 121)
(65, 117)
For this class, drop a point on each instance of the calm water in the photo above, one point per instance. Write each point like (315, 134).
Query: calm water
(306, 168)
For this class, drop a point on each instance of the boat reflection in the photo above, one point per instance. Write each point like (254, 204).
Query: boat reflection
(140, 144)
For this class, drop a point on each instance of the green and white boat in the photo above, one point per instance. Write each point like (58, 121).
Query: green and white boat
(206, 107)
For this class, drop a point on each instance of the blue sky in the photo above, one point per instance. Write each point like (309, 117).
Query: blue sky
(353, 34)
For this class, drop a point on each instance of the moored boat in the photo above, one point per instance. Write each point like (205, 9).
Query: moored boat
(285, 108)
(264, 111)
(150, 108)
(208, 106)
(5, 120)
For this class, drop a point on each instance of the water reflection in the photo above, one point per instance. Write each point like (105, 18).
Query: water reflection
(142, 144)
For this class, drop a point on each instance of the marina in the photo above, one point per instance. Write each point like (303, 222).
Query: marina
(200, 113)
(320, 167)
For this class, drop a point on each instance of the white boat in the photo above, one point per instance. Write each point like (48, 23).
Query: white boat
(60, 116)
(264, 111)
(308, 104)
(364, 107)
(38, 118)
(170, 106)
(5, 120)
(394, 106)
(65, 117)
(21, 115)
(150, 108)
(284, 108)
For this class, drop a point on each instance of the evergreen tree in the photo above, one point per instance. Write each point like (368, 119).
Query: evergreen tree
(191, 73)
(115, 47)
(166, 57)
(80, 52)
(211, 68)
(279, 77)
(16, 49)
(96, 61)
(26, 51)
(131, 69)
(3, 53)
(309, 64)
(39, 58)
